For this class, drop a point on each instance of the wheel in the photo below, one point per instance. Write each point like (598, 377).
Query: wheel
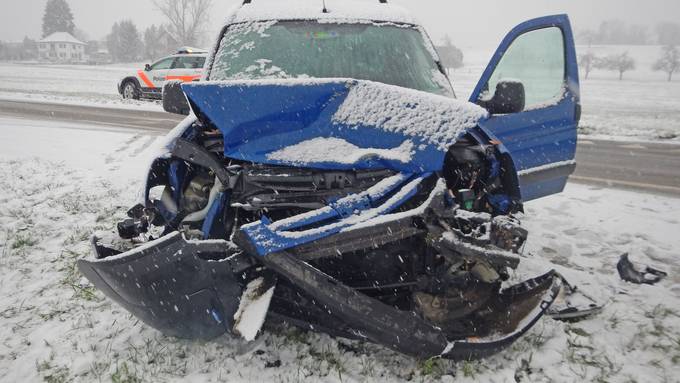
(131, 91)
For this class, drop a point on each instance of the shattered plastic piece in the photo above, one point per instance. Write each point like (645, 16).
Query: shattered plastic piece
(572, 304)
(253, 308)
(628, 273)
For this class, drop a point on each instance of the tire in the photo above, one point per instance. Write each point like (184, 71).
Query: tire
(131, 91)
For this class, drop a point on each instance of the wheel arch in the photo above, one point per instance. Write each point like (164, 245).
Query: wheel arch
(127, 80)
(508, 177)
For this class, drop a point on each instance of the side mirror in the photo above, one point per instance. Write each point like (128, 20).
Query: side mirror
(509, 98)
(174, 100)
(147, 67)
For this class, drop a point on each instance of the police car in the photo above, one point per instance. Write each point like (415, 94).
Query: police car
(186, 65)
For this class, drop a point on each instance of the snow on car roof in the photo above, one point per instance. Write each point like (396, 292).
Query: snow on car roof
(261, 10)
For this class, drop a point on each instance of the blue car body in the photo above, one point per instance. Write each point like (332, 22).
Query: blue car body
(541, 142)
(264, 117)
(407, 141)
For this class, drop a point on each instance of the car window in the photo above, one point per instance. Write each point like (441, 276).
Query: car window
(387, 53)
(190, 62)
(163, 64)
(537, 60)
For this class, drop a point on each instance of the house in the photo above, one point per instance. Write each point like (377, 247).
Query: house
(62, 47)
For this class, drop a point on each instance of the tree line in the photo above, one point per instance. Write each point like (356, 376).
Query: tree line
(185, 26)
(617, 32)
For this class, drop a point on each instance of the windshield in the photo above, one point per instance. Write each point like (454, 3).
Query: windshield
(385, 53)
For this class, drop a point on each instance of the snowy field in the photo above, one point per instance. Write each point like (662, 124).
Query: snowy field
(61, 183)
(70, 84)
(644, 106)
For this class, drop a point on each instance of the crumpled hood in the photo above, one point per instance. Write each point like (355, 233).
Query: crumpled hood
(338, 124)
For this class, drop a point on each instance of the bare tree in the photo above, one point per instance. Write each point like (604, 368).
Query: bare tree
(588, 36)
(669, 61)
(450, 55)
(587, 61)
(124, 42)
(621, 63)
(668, 33)
(187, 19)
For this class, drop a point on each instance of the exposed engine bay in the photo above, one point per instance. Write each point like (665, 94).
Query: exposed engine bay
(425, 265)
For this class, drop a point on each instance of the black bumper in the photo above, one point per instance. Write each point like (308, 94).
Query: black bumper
(172, 284)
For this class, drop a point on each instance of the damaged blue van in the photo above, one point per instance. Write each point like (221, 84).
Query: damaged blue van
(327, 177)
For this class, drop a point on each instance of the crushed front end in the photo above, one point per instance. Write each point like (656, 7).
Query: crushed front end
(410, 249)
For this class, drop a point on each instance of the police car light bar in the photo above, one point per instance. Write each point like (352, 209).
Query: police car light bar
(190, 50)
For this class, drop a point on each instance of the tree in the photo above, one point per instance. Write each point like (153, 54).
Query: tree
(668, 34)
(57, 18)
(450, 55)
(80, 34)
(187, 19)
(124, 42)
(615, 32)
(587, 61)
(154, 42)
(621, 63)
(669, 61)
(92, 47)
(29, 48)
(588, 36)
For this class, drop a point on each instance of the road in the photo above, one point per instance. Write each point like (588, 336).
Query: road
(643, 166)
(653, 167)
(154, 122)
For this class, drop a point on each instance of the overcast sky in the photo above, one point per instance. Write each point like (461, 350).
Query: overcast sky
(481, 22)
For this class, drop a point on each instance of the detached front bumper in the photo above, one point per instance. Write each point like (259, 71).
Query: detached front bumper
(186, 289)
(193, 289)
(174, 285)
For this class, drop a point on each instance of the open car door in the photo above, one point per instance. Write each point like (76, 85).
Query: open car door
(531, 90)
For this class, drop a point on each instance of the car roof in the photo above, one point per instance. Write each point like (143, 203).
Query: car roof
(336, 10)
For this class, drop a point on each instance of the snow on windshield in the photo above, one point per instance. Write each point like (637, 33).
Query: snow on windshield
(382, 52)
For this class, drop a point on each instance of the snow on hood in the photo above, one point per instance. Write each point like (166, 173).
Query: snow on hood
(339, 124)
(337, 150)
(262, 10)
(437, 118)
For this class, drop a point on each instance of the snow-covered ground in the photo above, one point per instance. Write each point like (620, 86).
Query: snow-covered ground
(61, 182)
(643, 106)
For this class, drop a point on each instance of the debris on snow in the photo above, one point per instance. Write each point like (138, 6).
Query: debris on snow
(628, 273)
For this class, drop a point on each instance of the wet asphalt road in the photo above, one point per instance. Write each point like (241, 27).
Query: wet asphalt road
(641, 166)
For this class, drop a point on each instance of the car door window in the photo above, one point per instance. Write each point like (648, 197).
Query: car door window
(163, 64)
(191, 62)
(537, 60)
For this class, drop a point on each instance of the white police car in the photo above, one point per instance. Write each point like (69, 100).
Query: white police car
(186, 65)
